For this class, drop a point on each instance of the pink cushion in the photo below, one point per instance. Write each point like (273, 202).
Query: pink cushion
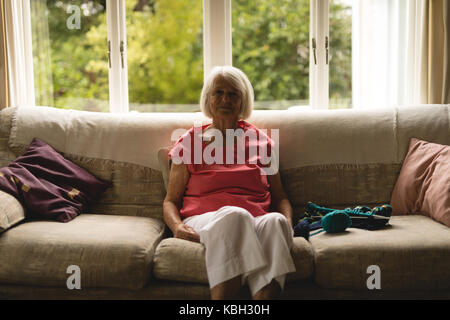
(423, 186)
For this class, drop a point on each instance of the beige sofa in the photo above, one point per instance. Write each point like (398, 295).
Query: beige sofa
(124, 251)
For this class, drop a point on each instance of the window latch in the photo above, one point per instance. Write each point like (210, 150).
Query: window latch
(326, 48)
(109, 53)
(122, 52)
(314, 50)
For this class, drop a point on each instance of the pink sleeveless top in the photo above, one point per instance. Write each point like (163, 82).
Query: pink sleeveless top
(214, 185)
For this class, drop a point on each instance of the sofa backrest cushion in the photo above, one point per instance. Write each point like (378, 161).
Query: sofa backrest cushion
(306, 138)
(335, 158)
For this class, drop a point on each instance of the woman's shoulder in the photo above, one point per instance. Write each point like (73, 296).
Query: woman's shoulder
(247, 125)
(263, 132)
(185, 141)
(191, 131)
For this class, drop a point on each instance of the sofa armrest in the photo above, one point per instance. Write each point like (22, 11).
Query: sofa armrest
(165, 164)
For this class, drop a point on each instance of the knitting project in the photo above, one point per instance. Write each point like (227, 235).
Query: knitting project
(335, 220)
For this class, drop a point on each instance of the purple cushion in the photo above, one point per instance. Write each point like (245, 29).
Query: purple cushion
(50, 186)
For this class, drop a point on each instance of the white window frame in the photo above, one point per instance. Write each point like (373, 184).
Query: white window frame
(318, 65)
(217, 42)
(117, 52)
(20, 53)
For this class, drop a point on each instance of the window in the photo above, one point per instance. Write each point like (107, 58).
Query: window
(271, 45)
(165, 55)
(152, 55)
(69, 52)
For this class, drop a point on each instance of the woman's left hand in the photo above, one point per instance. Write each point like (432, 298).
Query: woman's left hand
(186, 232)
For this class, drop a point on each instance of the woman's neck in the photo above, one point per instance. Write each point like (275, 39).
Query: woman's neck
(224, 124)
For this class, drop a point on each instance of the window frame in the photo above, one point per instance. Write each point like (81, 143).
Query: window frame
(20, 53)
(217, 36)
(217, 48)
(218, 44)
(319, 69)
(117, 53)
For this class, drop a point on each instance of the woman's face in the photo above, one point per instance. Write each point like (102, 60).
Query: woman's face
(225, 100)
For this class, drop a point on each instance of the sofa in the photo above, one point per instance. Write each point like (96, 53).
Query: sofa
(334, 158)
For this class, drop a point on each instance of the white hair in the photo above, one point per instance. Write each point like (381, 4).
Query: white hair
(238, 80)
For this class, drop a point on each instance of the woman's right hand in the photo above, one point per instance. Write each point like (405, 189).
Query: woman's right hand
(183, 231)
(178, 179)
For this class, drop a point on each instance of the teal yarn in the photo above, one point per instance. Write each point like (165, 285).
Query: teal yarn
(336, 221)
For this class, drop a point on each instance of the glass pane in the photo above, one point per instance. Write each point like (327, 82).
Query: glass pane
(165, 55)
(340, 55)
(69, 51)
(271, 45)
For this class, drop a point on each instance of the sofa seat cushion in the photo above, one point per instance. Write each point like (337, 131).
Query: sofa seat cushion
(182, 260)
(413, 252)
(110, 251)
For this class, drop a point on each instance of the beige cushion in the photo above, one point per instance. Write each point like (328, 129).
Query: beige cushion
(182, 260)
(11, 211)
(413, 253)
(331, 185)
(111, 251)
(353, 136)
(303, 256)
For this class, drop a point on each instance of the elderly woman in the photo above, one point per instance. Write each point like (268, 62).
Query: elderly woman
(240, 214)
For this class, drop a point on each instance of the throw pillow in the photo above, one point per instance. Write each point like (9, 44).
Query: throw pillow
(50, 186)
(11, 211)
(423, 185)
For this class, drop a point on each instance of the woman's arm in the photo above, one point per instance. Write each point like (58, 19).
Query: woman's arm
(279, 199)
(178, 179)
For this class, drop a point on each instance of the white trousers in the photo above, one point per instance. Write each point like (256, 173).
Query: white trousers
(237, 243)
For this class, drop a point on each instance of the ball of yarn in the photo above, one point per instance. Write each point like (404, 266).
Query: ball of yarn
(336, 221)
